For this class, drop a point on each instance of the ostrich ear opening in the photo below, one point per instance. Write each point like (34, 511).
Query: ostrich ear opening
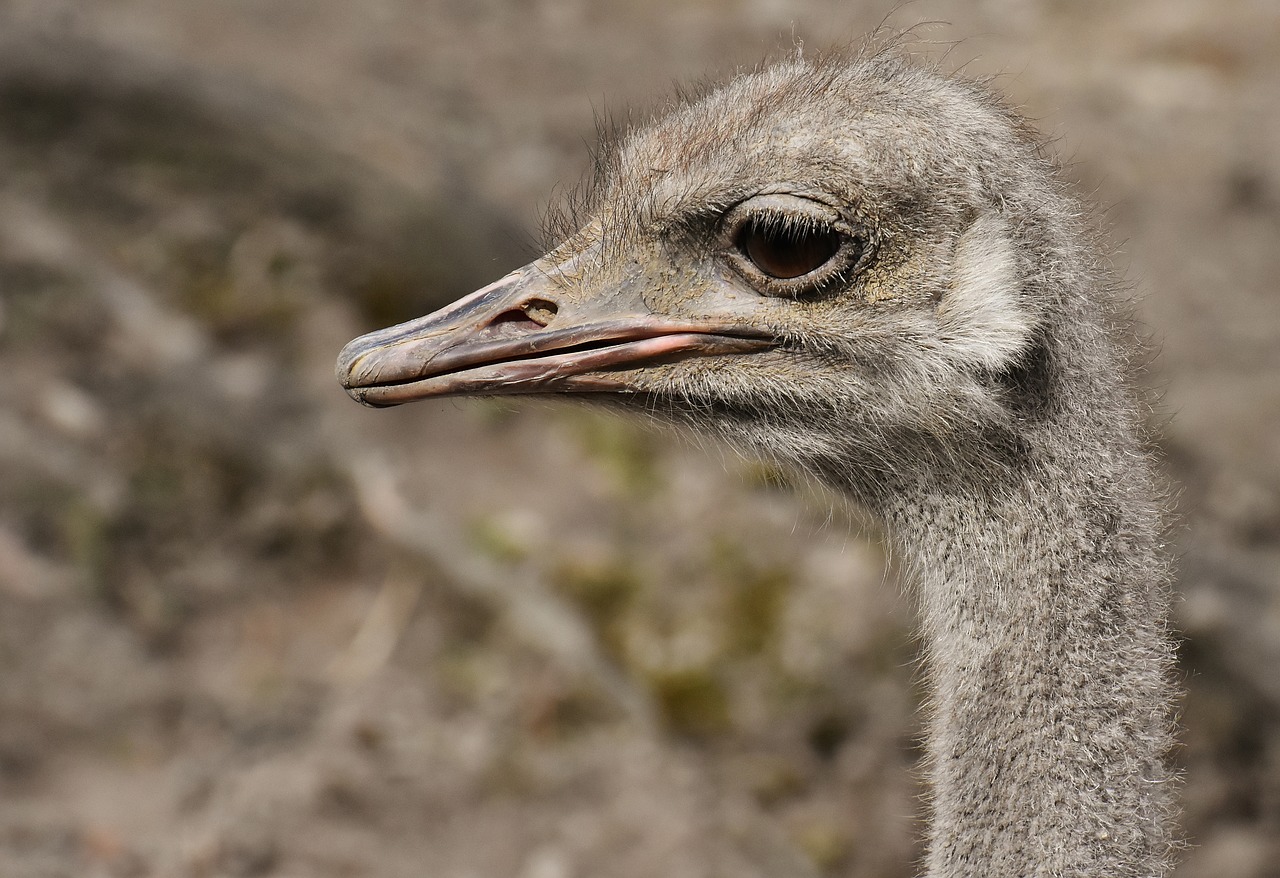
(982, 318)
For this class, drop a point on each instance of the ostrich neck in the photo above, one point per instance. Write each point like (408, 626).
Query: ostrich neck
(1042, 614)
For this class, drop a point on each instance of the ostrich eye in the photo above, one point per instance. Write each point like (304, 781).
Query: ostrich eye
(792, 246)
(786, 251)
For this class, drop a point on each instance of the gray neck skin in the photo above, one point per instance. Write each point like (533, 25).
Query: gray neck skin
(1043, 618)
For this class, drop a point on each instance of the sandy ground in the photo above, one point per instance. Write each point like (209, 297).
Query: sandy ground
(247, 628)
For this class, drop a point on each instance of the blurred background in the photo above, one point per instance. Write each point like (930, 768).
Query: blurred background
(249, 628)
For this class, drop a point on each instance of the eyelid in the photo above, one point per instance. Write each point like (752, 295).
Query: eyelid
(790, 209)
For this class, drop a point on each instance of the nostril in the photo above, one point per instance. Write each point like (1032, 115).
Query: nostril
(514, 316)
(531, 316)
(540, 311)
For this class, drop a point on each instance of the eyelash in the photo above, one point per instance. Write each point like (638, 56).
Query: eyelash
(777, 221)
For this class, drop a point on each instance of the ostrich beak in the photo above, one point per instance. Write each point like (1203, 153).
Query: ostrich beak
(525, 334)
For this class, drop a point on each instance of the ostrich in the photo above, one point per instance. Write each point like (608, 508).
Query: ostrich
(870, 272)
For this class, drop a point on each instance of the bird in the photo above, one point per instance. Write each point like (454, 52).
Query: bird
(873, 271)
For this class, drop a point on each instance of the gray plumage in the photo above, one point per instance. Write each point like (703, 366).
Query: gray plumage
(953, 356)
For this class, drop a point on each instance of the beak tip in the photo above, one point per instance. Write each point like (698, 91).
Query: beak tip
(352, 367)
(347, 359)
(361, 395)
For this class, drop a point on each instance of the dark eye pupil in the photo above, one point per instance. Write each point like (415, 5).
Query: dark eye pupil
(786, 253)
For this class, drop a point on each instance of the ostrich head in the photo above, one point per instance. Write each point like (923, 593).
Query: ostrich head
(868, 271)
(839, 265)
